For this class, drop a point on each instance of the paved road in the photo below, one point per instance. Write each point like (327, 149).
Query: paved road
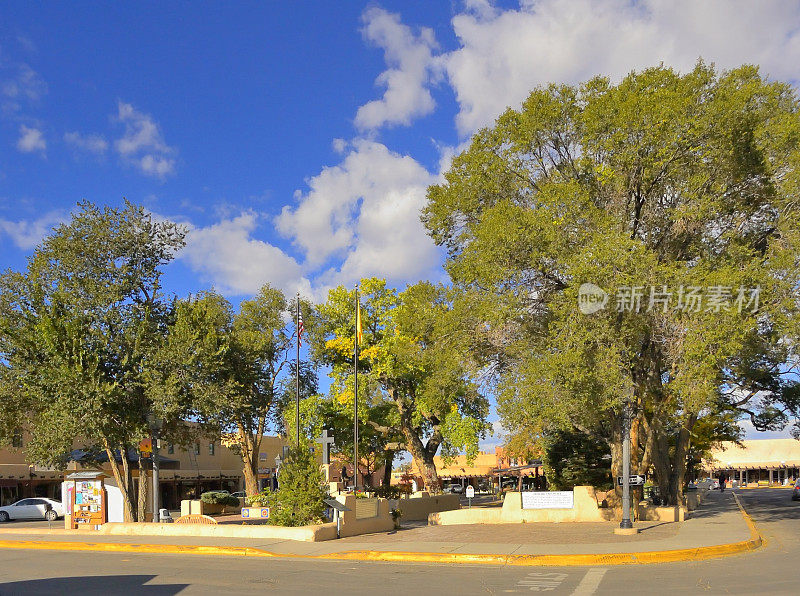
(771, 570)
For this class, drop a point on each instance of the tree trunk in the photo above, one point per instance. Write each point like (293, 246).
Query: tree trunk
(142, 500)
(421, 453)
(682, 443)
(122, 483)
(387, 467)
(423, 459)
(615, 443)
(247, 451)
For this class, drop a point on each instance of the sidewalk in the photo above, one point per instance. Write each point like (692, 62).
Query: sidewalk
(718, 528)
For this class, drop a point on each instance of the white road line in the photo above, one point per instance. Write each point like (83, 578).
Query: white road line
(590, 582)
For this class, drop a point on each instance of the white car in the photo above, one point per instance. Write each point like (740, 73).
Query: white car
(34, 508)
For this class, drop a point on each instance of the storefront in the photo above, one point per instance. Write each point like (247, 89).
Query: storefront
(20, 481)
(759, 462)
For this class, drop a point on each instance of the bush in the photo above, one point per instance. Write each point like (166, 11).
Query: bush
(389, 492)
(299, 498)
(259, 500)
(219, 498)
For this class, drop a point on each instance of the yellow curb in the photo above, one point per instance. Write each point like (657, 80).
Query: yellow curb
(763, 487)
(633, 558)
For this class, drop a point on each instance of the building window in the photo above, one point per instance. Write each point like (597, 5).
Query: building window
(16, 439)
(196, 449)
(211, 448)
(171, 449)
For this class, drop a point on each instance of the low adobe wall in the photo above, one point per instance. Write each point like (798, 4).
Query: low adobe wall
(648, 512)
(584, 509)
(353, 526)
(420, 507)
(198, 507)
(314, 533)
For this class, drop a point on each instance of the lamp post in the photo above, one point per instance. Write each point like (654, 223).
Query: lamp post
(626, 468)
(155, 423)
(278, 463)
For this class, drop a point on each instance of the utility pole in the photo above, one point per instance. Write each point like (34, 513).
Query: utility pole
(299, 328)
(355, 398)
(626, 467)
(155, 423)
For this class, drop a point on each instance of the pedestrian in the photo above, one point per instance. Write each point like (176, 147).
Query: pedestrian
(722, 483)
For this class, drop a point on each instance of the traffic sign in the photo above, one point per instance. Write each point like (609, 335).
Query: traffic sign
(255, 512)
(470, 492)
(634, 480)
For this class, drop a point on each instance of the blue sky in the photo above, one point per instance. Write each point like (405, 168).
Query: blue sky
(296, 139)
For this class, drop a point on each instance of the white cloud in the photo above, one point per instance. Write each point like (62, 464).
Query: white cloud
(496, 439)
(505, 54)
(143, 145)
(28, 234)
(227, 255)
(409, 57)
(19, 83)
(30, 140)
(750, 431)
(90, 143)
(364, 211)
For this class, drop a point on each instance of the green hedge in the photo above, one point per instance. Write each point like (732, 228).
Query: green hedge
(219, 498)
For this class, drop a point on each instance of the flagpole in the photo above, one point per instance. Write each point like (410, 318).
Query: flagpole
(355, 404)
(297, 374)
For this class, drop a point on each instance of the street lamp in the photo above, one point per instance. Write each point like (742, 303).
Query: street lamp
(626, 524)
(278, 463)
(156, 424)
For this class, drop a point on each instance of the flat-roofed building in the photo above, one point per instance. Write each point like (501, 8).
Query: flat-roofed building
(756, 461)
(185, 471)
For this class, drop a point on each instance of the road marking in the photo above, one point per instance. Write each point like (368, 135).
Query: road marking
(542, 582)
(590, 582)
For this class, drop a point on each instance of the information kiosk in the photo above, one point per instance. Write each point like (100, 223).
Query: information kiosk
(87, 500)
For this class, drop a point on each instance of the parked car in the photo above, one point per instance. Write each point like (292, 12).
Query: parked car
(239, 494)
(36, 508)
(796, 491)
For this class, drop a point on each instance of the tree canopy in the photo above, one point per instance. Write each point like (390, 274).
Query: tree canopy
(414, 375)
(675, 197)
(79, 333)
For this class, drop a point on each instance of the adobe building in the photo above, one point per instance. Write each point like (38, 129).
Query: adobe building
(771, 462)
(489, 471)
(185, 472)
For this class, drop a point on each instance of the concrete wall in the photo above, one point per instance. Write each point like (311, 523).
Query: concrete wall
(197, 506)
(419, 507)
(350, 526)
(584, 509)
(648, 512)
(314, 533)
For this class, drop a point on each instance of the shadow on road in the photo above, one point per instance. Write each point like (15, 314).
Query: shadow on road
(770, 504)
(85, 586)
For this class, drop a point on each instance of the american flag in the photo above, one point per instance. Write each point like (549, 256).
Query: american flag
(299, 328)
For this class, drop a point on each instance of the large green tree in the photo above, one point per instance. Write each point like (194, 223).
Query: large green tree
(657, 189)
(411, 360)
(79, 330)
(226, 367)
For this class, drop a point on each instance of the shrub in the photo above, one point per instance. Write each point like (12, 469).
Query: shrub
(389, 492)
(259, 500)
(299, 498)
(219, 498)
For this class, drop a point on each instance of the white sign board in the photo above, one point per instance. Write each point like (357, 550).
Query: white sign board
(470, 492)
(547, 500)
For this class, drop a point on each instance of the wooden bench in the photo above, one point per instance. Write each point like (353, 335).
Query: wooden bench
(196, 518)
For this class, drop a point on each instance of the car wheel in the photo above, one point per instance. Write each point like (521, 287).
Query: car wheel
(4, 516)
(51, 515)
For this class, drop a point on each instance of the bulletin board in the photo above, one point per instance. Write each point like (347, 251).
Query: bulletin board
(88, 500)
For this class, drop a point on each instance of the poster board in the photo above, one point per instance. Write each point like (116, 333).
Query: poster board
(562, 499)
(87, 501)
